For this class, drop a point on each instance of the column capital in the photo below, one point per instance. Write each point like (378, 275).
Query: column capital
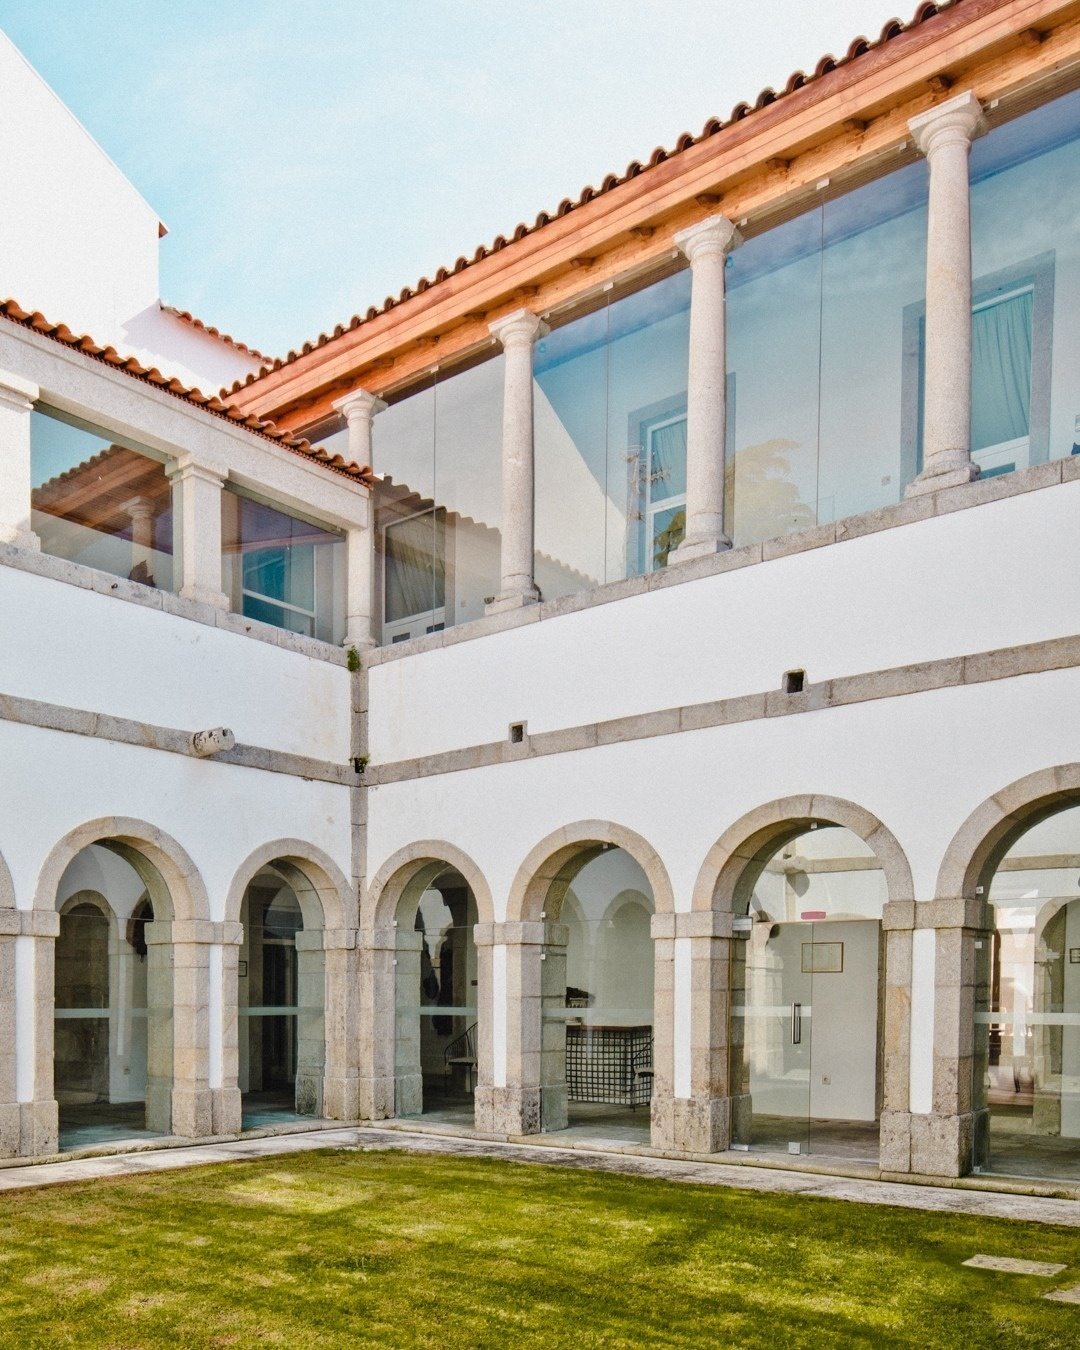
(358, 403)
(519, 328)
(955, 122)
(186, 467)
(18, 393)
(713, 236)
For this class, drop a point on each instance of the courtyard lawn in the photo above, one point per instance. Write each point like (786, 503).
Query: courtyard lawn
(378, 1248)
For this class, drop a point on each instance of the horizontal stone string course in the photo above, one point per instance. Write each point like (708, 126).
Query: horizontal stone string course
(32, 712)
(951, 672)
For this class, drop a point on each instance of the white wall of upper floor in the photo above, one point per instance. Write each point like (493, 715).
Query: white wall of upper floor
(973, 580)
(79, 243)
(81, 649)
(54, 782)
(920, 763)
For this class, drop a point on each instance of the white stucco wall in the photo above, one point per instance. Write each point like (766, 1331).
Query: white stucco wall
(79, 243)
(83, 650)
(965, 582)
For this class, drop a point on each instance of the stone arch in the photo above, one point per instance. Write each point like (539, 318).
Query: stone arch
(556, 859)
(95, 898)
(734, 863)
(321, 887)
(7, 888)
(410, 870)
(182, 897)
(994, 826)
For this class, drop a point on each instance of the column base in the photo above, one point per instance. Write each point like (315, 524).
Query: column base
(192, 1111)
(227, 1110)
(20, 539)
(309, 1094)
(692, 549)
(933, 1145)
(507, 1111)
(204, 595)
(929, 481)
(691, 1124)
(375, 1098)
(341, 1099)
(39, 1129)
(10, 1129)
(507, 600)
(409, 1095)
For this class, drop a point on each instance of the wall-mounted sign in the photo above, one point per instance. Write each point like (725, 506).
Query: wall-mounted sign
(822, 958)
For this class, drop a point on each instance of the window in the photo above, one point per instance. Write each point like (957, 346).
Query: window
(98, 501)
(414, 570)
(281, 570)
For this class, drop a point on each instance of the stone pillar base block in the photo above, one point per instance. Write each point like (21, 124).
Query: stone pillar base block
(341, 1099)
(409, 1095)
(894, 1148)
(553, 1107)
(204, 595)
(943, 1145)
(10, 1129)
(691, 1124)
(934, 482)
(309, 1093)
(227, 1110)
(691, 549)
(192, 1110)
(39, 1129)
(20, 538)
(375, 1098)
(508, 600)
(507, 1111)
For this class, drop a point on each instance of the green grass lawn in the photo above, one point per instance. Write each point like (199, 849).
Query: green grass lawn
(346, 1248)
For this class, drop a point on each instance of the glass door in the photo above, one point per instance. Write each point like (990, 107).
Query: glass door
(772, 1037)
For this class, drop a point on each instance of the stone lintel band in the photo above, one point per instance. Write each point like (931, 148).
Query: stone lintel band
(943, 134)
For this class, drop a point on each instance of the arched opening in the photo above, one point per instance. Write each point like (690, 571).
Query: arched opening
(807, 995)
(113, 999)
(436, 1034)
(597, 977)
(280, 998)
(1026, 1064)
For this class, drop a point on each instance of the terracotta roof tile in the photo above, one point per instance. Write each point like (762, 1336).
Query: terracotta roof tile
(798, 80)
(13, 312)
(187, 317)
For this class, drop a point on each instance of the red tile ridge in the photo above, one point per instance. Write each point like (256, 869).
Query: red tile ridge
(187, 317)
(928, 9)
(13, 312)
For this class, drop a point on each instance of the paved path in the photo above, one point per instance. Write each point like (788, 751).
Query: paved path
(942, 1199)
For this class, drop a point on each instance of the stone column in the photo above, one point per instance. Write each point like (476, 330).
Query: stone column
(944, 1140)
(691, 1105)
(517, 332)
(377, 959)
(311, 990)
(197, 492)
(533, 1096)
(10, 1130)
(707, 245)
(32, 1129)
(179, 1096)
(944, 135)
(897, 926)
(359, 409)
(140, 510)
(17, 398)
(341, 1025)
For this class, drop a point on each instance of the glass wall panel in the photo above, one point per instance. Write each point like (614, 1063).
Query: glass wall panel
(1025, 248)
(873, 273)
(98, 502)
(807, 980)
(112, 1059)
(610, 428)
(1027, 1015)
(598, 996)
(773, 342)
(282, 570)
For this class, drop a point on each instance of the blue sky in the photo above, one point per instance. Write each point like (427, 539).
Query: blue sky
(311, 157)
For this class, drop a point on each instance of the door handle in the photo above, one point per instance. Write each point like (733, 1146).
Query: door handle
(796, 1024)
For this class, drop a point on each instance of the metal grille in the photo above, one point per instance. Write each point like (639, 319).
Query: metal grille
(608, 1065)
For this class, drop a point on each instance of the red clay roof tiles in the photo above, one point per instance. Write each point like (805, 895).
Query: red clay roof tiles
(82, 342)
(187, 317)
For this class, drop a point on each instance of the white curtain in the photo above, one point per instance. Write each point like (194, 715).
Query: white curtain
(1001, 371)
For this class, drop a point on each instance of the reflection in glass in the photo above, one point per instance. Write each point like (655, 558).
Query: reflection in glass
(1027, 1016)
(806, 988)
(99, 502)
(282, 570)
(112, 1074)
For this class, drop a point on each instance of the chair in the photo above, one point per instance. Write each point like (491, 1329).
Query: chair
(461, 1054)
(642, 1066)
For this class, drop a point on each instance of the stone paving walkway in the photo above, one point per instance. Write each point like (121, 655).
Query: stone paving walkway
(940, 1199)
